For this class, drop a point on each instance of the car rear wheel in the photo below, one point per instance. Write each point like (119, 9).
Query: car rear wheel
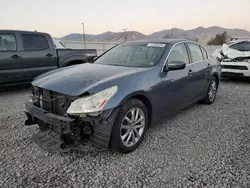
(130, 126)
(212, 91)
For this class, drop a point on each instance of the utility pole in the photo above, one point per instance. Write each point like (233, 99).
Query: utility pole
(83, 35)
(125, 37)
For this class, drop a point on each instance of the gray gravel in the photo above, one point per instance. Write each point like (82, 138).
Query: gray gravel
(202, 146)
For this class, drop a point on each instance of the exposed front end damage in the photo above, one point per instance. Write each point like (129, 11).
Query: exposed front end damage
(234, 63)
(61, 132)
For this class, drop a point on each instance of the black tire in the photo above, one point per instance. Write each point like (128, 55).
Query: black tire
(116, 141)
(208, 99)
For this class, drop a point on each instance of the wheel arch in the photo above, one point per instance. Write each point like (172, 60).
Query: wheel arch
(142, 96)
(217, 78)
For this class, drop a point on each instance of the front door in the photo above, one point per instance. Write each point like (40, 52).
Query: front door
(10, 59)
(174, 83)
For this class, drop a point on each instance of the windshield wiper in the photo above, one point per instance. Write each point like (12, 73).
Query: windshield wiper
(115, 65)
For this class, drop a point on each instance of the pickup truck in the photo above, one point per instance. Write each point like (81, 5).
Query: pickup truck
(25, 55)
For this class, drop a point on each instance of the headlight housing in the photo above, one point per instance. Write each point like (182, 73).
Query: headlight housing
(92, 103)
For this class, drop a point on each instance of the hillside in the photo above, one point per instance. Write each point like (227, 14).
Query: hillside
(107, 36)
(200, 33)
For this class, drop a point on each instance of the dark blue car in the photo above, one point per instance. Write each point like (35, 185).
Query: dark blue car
(110, 102)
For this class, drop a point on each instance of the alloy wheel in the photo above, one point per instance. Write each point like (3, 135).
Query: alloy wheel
(212, 90)
(132, 127)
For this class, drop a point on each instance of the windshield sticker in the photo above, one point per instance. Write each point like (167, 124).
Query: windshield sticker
(160, 45)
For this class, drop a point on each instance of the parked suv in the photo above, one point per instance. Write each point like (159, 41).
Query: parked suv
(111, 102)
(235, 58)
(25, 55)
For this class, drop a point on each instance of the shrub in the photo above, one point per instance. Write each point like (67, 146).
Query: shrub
(219, 39)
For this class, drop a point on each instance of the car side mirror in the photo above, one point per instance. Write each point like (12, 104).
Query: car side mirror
(176, 65)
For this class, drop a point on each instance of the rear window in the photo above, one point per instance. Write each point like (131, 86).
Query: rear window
(204, 53)
(34, 42)
(7, 42)
(241, 46)
(195, 52)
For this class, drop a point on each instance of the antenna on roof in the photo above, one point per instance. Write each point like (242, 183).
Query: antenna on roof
(125, 37)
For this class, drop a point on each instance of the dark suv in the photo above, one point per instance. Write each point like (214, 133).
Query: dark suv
(110, 102)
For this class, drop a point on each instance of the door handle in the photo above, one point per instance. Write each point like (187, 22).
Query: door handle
(190, 72)
(15, 57)
(49, 55)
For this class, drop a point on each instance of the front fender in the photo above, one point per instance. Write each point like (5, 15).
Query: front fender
(134, 94)
(124, 93)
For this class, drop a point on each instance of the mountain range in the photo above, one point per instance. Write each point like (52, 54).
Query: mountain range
(200, 34)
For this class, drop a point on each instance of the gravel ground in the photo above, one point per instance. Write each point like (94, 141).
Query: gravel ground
(202, 146)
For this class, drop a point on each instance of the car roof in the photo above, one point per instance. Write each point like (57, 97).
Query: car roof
(162, 40)
(21, 31)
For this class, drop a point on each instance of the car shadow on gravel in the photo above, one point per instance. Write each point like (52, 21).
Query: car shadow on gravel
(236, 80)
(14, 88)
(174, 115)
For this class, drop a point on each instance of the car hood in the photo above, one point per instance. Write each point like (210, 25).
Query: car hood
(78, 79)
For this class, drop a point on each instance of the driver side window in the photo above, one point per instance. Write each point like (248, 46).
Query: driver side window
(179, 53)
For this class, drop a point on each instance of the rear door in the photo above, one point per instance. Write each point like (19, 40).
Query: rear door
(38, 55)
(198, 71)
(10, 59)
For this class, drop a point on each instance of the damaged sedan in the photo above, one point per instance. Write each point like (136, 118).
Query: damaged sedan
(110, 102)
(235, 58)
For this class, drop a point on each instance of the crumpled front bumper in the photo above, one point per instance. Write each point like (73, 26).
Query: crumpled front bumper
(53, 138)
(239, 69)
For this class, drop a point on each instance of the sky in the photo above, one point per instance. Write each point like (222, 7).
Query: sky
(61, 17)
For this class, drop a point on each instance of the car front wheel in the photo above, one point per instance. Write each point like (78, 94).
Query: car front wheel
(130, 126)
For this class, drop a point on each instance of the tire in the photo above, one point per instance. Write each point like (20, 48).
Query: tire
(211, 92)
(42, 126)
(127, 137)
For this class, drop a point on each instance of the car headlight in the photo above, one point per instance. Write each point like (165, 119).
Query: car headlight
(92, 103)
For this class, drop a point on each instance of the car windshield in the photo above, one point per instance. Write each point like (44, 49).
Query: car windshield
(230, 42)
(133, 55)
